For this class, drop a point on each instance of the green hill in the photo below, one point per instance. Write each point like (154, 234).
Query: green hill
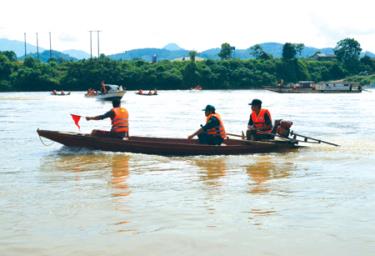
(45, 56)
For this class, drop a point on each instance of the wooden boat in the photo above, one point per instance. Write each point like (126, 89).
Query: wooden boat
(165, 146)
(323, 87)
(196, 88)
(61, 93)
(146, 94)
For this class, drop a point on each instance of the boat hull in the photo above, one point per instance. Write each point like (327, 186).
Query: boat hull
(165, 146)
(146, 94)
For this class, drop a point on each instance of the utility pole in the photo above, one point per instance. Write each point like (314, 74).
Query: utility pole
(98, 31)
(50, 46)
(25, 43)
(90, 44)
(37, 46)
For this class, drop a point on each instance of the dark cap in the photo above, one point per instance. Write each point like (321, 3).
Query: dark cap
(116, 103)
(209, 108)
(256, 102)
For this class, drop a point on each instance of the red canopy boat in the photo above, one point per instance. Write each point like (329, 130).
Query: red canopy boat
(166, 146)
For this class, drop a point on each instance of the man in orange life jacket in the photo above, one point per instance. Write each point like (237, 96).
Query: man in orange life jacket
(120, 121)
(213, 132)
(260, 122)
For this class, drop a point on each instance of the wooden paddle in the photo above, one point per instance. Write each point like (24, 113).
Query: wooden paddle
(236, 135)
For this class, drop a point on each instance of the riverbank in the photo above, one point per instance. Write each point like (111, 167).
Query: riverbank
(33, 75)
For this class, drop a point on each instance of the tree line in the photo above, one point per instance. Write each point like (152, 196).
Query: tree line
(226, 73)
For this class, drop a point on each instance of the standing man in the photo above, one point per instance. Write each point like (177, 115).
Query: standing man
(119, 119)
(260, 122)
(213, 132)
(103, 89)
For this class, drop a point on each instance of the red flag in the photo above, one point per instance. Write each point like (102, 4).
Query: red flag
(76, 119)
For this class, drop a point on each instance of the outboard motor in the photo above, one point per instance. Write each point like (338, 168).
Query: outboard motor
(282, 127)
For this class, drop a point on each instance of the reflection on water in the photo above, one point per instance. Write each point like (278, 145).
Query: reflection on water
(97, 170)
(211, 170)
(120, 173)
(98, 164)
(264, 169)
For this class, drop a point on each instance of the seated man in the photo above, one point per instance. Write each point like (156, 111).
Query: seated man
(260, 122)
(120, 124)
(213, 132)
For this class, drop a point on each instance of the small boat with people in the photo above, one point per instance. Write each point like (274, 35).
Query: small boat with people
(59, 93)
(166, 146)
(261, 137)
(149, 93)
(197, 88)
(91, 93)
(108, 92)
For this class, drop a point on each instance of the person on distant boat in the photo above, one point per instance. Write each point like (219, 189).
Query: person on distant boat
(104, 90)
(89, 92)
(213, 132)
(119, 119)
(140, 91)
(62, 92)
(53, 92)
(260, 122)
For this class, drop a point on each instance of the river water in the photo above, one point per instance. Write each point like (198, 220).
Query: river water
(318, 200)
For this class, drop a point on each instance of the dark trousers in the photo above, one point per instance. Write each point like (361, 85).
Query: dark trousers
(205, 138)
(100, 133)
(253, 135)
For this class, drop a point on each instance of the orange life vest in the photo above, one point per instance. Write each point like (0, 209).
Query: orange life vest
(120, 123)
(218, 130)
(259, 121)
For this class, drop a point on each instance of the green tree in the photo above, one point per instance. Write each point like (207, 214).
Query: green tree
(347, 52)
(258, 52)
(192, 55)
(367, 64)
(289, 51)
(191, 75)
(299, 48)
(226, 51)
(6, 67)
(10, 55)
(293, 71)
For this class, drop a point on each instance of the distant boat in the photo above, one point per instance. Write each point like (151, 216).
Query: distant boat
(112, 92)
(149, 93)
(59, 93)
(91, 93)
(196, 88)
(322, 87)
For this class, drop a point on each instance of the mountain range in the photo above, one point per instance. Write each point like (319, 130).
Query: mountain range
(169, 52)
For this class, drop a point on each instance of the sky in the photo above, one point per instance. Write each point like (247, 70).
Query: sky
(191, 24)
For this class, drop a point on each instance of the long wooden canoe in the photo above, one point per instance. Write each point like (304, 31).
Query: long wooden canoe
(165, 146)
